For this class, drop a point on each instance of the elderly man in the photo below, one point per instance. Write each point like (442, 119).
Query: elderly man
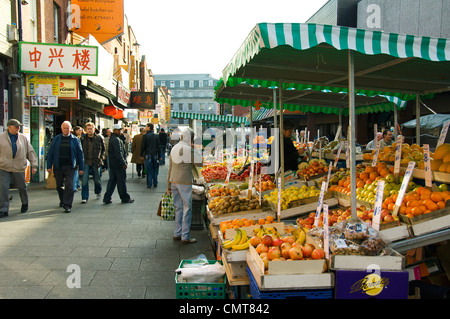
(117, 168)
(371, 145)
(15, 150)
(64, 156)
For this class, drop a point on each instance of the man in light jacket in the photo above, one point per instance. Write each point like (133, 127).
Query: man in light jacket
(15, 150)
(64, 156)
(179, 183)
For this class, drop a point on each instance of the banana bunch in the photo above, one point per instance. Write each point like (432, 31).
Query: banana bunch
(261, 231)
(240, 241)
(299, 235)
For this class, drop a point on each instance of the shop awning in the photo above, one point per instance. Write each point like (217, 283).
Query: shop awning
(429, 122)
(209, 117)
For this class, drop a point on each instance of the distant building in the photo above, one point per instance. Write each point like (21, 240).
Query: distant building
(190, 93)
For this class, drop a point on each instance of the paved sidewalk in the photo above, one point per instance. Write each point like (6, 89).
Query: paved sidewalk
(122, 250)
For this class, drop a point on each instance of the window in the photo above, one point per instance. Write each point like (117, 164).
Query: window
(181, 84)
(191, 84)
(190, 94)
(210, 83)
(190, 108)
(180, 107)
(172, 84)
(200, 84)
(163, 83)
(55, 23)
(202, 107)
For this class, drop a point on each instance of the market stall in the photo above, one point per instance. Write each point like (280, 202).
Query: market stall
(351, 236)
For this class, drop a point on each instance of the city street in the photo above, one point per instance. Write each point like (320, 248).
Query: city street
(122, 250)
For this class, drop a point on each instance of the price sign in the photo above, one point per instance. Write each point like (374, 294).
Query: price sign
(398, 156)
(427, 161)
(337, 155)
(250, 184)
(347, 157)
(404, 186)
(378, 203)
(375, 154)
(279, 198)
(319, 204)
(296, 136)
(326, 238)
(443, 134)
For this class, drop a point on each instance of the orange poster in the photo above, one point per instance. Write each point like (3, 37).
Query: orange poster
(101, 18)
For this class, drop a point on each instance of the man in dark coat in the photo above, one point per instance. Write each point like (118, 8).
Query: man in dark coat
(163, 145)
(118, 168)
(150, 150)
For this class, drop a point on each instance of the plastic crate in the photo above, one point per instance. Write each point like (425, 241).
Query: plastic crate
(286, 294)
(198, 207)
(192, 290)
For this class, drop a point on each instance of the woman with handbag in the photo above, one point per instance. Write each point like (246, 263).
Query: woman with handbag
(179, 183)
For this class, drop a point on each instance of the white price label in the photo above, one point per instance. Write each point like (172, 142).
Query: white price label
(404, 186)
(398, 155)
(252, 173)
(337, 155)
(347, 157)
(427, 162)
(319, 204)
(443, 134)
(326, 238)
(378, 203)
(279, 198)
(375, 154)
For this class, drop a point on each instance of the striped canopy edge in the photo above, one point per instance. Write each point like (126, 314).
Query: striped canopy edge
(209, 117)
(302, 36)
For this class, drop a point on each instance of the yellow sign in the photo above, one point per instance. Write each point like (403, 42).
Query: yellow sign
(68, 89)
(42, 85)
(371, 284)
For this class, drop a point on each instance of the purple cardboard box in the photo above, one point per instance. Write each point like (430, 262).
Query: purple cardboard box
(351, 284)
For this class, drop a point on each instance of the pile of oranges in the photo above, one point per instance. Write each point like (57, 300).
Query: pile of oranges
(421, 201)
(244, 222)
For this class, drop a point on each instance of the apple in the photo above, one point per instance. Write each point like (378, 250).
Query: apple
(443, 187)
(295, 253)
(267, 240)
(307, 250)
(390, 178)
(318, 253)
(261, 248)
(277, 242)
(388, 218)
(274, 252)
(255, 241)
(289, 239)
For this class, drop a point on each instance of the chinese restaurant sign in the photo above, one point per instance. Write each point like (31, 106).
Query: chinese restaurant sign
(103, 19)
(58, 59)
(142, 100)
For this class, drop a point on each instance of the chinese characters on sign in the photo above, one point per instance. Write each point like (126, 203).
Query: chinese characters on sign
(58, 58)
(143, 100)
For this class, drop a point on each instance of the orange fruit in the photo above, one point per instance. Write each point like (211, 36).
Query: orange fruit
(261, 221)
(363, 176)
(427, 211)
(416, 211)
(373, 175)
(391, 206)
(436, 197)
(408, 211)
(413, 203)
(270, 218)
(441, 204)
(432, 206)
(369, 181)
(402, 210)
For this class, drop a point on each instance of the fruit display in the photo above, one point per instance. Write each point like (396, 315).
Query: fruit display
(232, 204)
(220, 190)
(244, 222)
(240, 241)
(418, 202)
(291, 194)
(267, 183)
(440, 159)
(246, 172)
(217, 172)
(320, 144)
(313, 168)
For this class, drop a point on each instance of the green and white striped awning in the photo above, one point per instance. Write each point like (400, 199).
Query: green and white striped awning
(209, 117)
(395, 65)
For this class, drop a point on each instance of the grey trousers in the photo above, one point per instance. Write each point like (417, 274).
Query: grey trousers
(64, 184)
(18, 180)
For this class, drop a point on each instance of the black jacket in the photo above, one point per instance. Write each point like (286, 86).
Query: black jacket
(99, 148)
(116, 152)
(150, 144)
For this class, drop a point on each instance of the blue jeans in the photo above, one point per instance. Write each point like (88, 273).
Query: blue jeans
(152, 170)
(76, 181)
(85, 182)
(163, 154)
(182, 200)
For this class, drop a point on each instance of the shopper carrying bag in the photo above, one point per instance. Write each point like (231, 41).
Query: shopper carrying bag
(167, 207)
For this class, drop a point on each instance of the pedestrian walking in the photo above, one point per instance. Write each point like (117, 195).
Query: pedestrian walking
(150, 151)
(64, 156)
(78, 132)
(117, 168)
(108, 133)
(93, 151)
(15, 150)
(127, 140)
(179, 183)
(163, 146)
(136, 152)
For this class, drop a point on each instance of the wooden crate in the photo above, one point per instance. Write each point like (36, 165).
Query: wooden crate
(251, 214)
(429, 223)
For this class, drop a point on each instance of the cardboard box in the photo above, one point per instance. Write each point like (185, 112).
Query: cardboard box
(353, 262)
(366, 285)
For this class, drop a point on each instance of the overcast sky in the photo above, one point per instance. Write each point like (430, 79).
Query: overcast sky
(201, 36)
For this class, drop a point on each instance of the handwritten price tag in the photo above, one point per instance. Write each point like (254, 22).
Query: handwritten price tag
(326, 238)
(319, 204)
(378, 203)
(375, 154)
(347, 157)
(443, 134)
(398, 156)
(404, 186)
(279, 198)
(427, 162)
(337, 155)
(250, 184)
